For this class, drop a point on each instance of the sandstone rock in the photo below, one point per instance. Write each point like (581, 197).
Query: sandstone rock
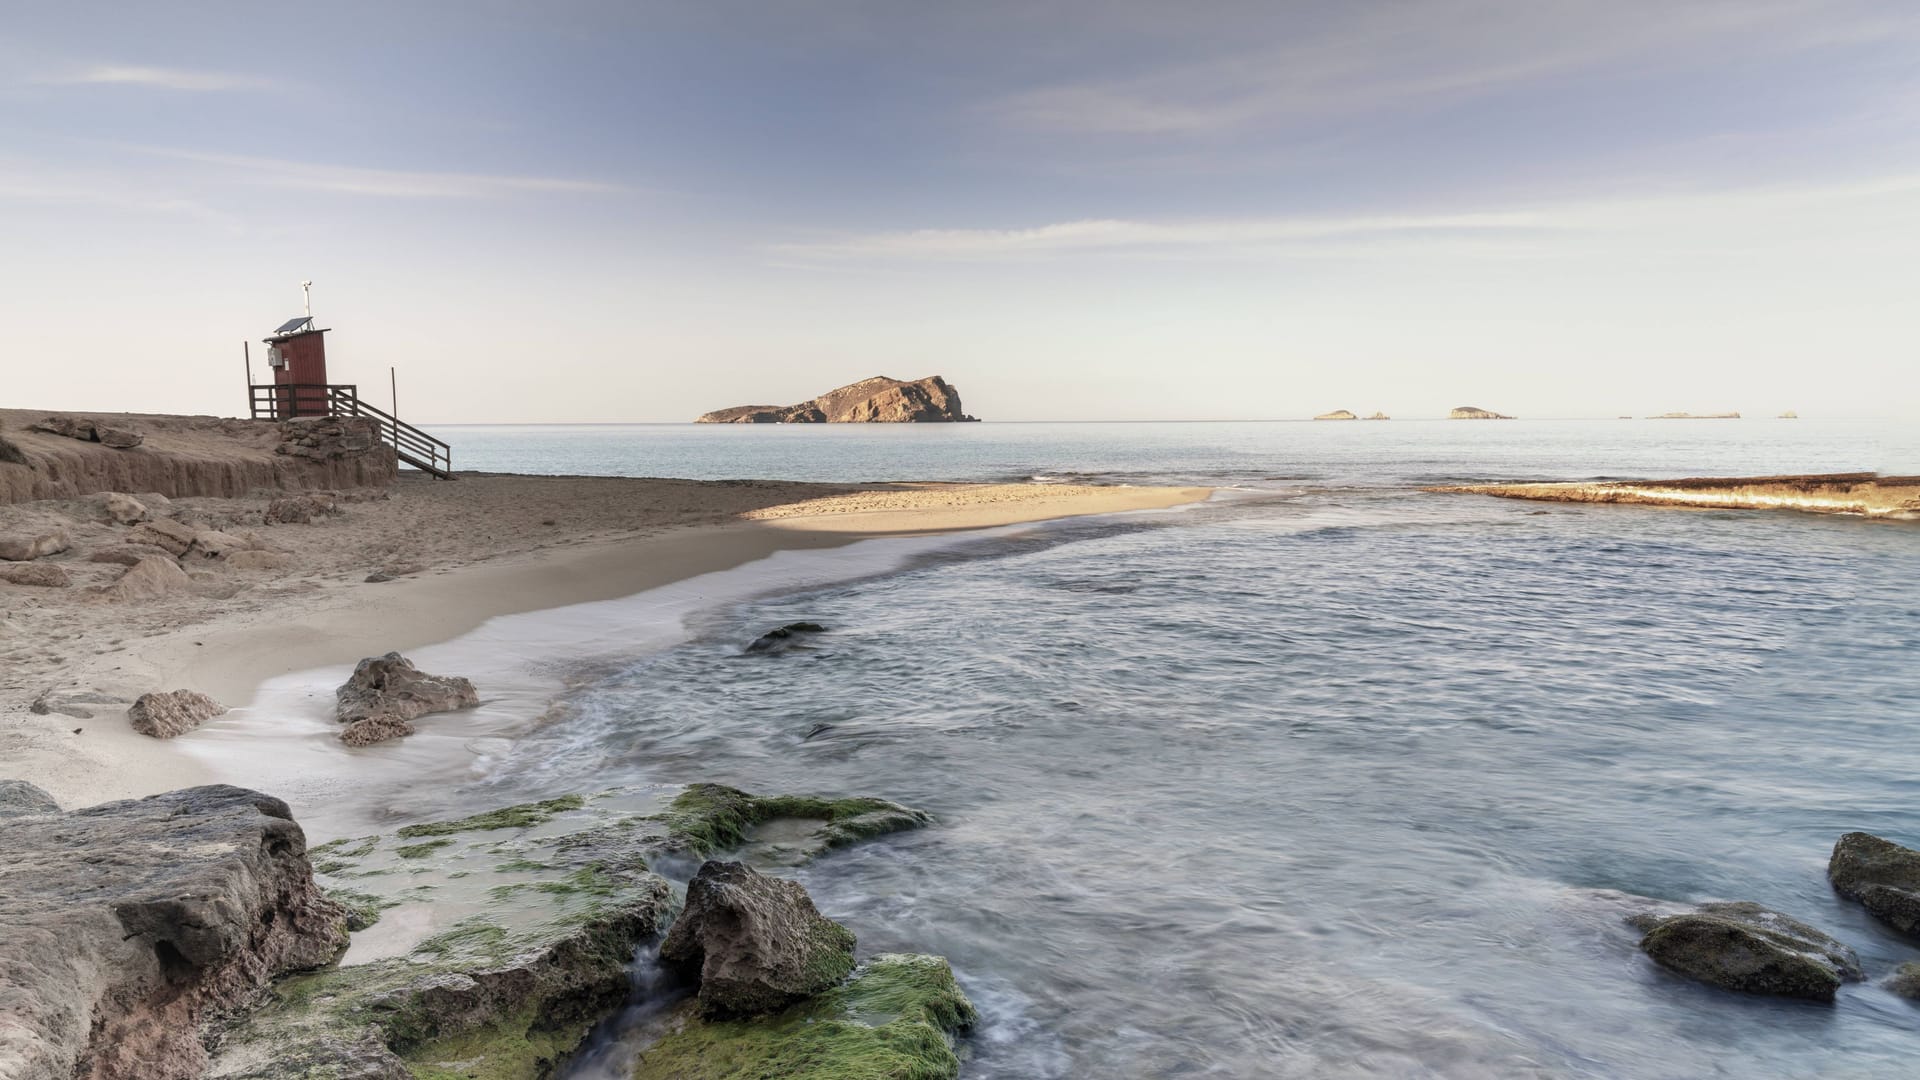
(1883, 876)
(756, 943)
(72, 427)
(875, 400)
(130, 923)
(163, 533)
(214, 544)
(1468, 412)
(1745, 947)
(19, 797)
(165, 714)
(29, 546)
(118, 438)
(1905, 981)
(387, 691)
(149, 579)
(121, 509)
(37, 575)
(299, 509)
(128, 554)
(1338, 414)
(260, 560)
(781, 637)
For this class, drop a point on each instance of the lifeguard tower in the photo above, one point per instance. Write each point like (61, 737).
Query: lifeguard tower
(297, 353)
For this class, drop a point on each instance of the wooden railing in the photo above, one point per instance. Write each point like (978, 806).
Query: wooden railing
(286, 401)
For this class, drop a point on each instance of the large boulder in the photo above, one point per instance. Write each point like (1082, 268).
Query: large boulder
(165, 714)
(300, 509)
(20, 797)
(387, 691)
(756, 943)
(1745, 947)
(214, 544)
(1882, 875)
(26, 547)
(120, 509)
(130, 923)
(151, 578)
(165, 533)
(1905, 981)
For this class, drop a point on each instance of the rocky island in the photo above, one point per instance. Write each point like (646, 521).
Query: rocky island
(1696, 416)
(1337, 414)
(878, 400)
(1468, 412)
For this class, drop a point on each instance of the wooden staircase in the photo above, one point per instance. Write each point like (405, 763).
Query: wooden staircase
(287, 401)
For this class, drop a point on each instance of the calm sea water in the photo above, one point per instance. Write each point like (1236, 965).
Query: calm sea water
(1327, 777)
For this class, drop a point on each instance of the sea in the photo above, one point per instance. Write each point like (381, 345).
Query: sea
(1326, 776)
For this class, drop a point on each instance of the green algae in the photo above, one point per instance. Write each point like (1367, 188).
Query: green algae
(515, 1048)
(893, 1020)
(422, 849)
(525, 815)
(363, 908)
(707, 818)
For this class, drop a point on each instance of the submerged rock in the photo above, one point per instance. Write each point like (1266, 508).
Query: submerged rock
(130, 923)
(387, 691)
(1745, 947)
(895, 1019)
(1905, 981)
(713, 817)
(168, 713)
(755, 943)
(781, 637)
(1882, 875)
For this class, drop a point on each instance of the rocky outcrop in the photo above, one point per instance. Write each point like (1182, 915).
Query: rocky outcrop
(26, 547)
(87, 429)
(1882, 875)
(181, 456)
(896, 1017)
(387, 691)
(1337, 414)
(1468, 412)
(1905, 981)
(877, 400)
(1379, 416)
(565, 896)
(35, 575)
(129, 924)
(168, 713)
(1865, 494)
(1748, 948)
(120, 509)
(780, 638)
(755, 944)
(165, 533)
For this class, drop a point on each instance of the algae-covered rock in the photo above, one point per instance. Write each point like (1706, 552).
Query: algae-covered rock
(1905, 981)
(895, 1019)
(1882, 875)
(1751, 949)
(565, 894)
(755, 943)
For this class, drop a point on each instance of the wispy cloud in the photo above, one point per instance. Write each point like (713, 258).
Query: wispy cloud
(390, 183)
(160, 78)
(1523, 231)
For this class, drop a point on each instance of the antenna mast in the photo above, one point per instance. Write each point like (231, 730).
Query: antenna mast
(306, 290)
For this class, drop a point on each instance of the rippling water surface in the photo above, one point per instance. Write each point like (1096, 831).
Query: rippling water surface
(1330, 777)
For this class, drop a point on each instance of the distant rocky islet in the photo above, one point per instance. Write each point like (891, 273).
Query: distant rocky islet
(879, 400)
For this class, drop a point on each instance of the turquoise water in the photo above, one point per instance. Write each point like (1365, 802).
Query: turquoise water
(1327, 777)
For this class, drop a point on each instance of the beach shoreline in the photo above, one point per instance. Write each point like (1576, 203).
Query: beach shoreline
(541, 543)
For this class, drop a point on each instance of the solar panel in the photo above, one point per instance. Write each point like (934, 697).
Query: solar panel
(294, 324)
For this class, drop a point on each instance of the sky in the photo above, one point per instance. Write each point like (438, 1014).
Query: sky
(633, 211)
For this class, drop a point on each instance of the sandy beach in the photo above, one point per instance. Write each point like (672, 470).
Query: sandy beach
(450, 556)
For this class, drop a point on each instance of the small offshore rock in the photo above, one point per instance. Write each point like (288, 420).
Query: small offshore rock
(782, 636)
(387, 691)
(1905, 981)
(1745, 947)
(1882, 875)
(163, 533)
(31, 546)
(37, 575)
(19, 797)
(166, 714)
(756, 943)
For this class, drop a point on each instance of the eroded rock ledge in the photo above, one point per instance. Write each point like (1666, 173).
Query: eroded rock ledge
(1866, 494)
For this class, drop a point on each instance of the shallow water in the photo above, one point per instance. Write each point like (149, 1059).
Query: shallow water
(1331, 777)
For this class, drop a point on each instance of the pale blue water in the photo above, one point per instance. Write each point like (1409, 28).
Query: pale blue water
(1328, 777)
